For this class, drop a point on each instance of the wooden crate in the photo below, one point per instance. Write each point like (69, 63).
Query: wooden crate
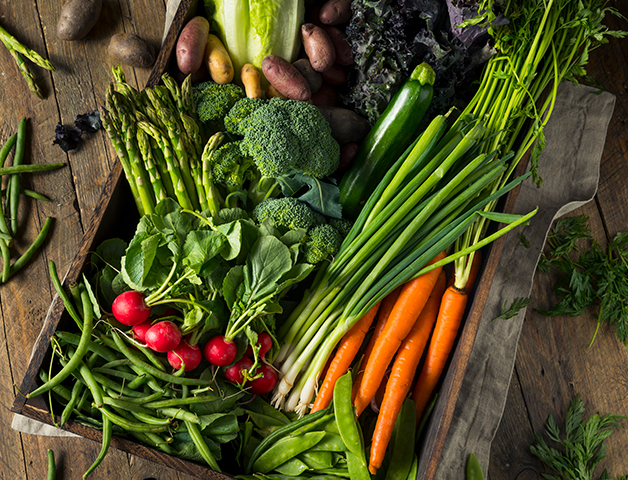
(114, 201)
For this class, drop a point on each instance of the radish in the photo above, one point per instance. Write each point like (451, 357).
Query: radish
(140, 330)
(266, 382)
(266, 343)
(129, 308)
(163, 336)
(187, 354)
(220, 352)
(234, 372)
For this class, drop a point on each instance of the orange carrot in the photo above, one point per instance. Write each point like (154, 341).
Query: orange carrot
(382, 315)
(447, 324)
(408, 306)
(347, 349)
(402, 375)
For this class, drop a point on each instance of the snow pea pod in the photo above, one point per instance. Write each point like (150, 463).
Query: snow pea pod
(293, 467)
(317, 460)
(330, 443)
(345, 417)
(474, 469)
(285, 449)
(403, 449)
(357, 467)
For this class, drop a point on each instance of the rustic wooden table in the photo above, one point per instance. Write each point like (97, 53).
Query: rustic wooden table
(553, 360)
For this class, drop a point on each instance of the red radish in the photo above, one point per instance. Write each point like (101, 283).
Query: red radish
(129, 308)
(266, 342)
(139, 330)
(266, 382)
(220, 352)
(185, 353)
(234, 372)
(163, 336)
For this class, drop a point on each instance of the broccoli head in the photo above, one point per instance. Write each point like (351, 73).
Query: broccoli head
(213, 100)
(241, 110)
(324, 242)
(342, 225)
(229, 167)
(288, 136)
(287, 212)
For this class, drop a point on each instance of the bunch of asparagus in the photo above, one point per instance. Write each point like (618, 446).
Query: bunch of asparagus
(158, 141)
(19, 51)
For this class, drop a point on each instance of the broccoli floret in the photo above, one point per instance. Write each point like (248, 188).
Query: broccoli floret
(342, 225)
(213, 100)
(230, 167)
(287, 136)
(324, 243)
(287, 212)
(241, 110)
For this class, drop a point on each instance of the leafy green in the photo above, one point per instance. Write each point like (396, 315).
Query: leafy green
(580, 449)
(586, 277)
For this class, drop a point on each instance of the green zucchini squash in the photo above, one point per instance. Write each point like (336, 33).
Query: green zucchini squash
(389, 137)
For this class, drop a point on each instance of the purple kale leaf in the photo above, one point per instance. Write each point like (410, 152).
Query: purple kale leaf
(66, 137)
(88, 122)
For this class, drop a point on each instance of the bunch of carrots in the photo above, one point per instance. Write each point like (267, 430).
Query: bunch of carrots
(406, 318)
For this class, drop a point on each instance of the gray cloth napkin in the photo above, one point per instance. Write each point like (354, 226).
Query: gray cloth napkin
(570, 163)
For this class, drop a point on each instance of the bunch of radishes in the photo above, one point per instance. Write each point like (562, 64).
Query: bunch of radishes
(164, 336)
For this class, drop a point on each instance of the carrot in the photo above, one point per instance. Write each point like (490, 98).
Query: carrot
(402, 375)
(408, 306)
(347, 349)
(447, 324)
(476, 263)
(382, 315)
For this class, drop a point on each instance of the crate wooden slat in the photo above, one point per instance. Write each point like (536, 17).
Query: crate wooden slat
(115, 198)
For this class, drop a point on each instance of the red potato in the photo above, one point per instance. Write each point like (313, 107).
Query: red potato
(129, 49)
(344, 55)
(347, 153)
(318, 47)
(313, 78)
(191, 45)
(326, 96)
(286, 78)
(346, 125)
(335, 12)
(336, 75)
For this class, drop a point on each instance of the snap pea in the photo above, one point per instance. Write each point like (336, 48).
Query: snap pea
(81, 349)
(293, 467)
(336, 472)
(327, 476)
(345, 416)
(316, 460)
(414, 470)
(281, 432)
(357, 467)
(107, 430)
(403, 448)
(330, 443)
(474, 469)
(201, 446)
(285, 449)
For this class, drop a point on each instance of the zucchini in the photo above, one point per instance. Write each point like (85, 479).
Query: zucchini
(389, 137)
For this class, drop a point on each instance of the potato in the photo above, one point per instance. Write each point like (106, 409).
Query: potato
(344, 55)
(272, 92)
(218, 61)
(346, 125)
(131, 50)
(252, 81)
(335, 75)
(285, 78)
(191, 45)
(313, 78)
(326, 96)
(347, 153)
(77, 18)
(318, 47)
(335, 12)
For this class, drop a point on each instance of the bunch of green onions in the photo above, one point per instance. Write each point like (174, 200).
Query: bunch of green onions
(431, 196)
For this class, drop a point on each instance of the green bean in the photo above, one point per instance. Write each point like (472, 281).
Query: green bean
(81, 349)
(154, 371)
(75, 291)
(6, 256)
(60, 390)
(52, 468)
(101, 350)
(175, 402)
(345, 416)
(201, 446)
(30, 168)
(118, 388)
(131, 426)
(282, 432)
(285, 449)
(112, 372)
(139, 400)
(150, 356)
(69, 306)
(107, 430)
(155, 440)
(403, 447)
(13, 186)
(77, 390)
(6, 149)
(30, 251)
(179, 414)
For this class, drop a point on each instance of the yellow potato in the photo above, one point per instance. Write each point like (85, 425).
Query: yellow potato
(252, 81)
(218, 61)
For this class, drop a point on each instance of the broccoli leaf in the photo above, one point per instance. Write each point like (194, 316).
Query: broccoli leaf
(322, 197)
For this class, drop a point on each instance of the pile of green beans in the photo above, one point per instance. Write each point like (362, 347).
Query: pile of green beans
(102, 382)
(10, 198)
